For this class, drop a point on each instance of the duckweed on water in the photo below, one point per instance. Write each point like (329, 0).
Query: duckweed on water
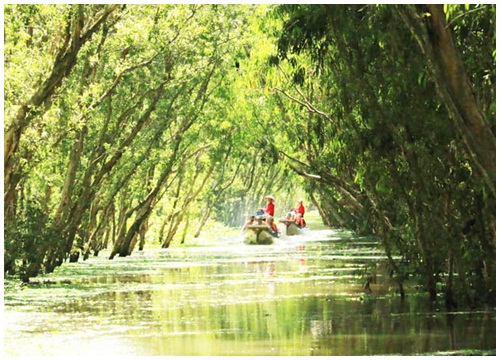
(300, 296)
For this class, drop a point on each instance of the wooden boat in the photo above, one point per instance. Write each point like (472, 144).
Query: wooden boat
(291, 227)
(258, 234)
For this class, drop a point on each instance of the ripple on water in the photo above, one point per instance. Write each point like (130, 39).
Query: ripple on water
(302, 295)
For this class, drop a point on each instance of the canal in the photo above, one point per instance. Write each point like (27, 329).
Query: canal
(303, 295)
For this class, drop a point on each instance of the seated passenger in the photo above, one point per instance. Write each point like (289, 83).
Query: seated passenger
(249, 222)
(269, 211)
(299, 221)
(273, 227)
(300, 214)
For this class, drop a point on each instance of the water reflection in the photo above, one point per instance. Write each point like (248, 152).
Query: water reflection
(294, 298)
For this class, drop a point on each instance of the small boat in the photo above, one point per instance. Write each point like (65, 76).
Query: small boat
(291, 227)
(258, 234)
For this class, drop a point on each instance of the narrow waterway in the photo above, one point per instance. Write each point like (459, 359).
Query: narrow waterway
(302, 295)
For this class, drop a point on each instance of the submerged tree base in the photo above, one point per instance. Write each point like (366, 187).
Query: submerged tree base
(302, 296)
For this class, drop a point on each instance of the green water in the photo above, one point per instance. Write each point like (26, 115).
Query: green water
(301, 296)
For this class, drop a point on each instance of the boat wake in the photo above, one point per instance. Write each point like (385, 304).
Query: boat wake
(306, 235)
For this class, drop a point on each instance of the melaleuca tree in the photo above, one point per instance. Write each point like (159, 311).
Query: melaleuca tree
(111, 112)
(381, 135)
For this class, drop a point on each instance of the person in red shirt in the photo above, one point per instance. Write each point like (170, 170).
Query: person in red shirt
(301, 210)
(270, 205)
(300, 215)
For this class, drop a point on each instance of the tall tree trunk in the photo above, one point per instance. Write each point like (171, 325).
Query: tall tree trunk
(437, 42)
(63, 64)
(67, 191)
(179, 216)
(122, 246)
(89, 190)
(218, 196)
(326, 215)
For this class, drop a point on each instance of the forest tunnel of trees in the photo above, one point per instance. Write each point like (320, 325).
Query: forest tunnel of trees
(134, 125)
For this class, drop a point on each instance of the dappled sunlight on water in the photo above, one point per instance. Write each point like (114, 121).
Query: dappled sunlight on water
(303, 295)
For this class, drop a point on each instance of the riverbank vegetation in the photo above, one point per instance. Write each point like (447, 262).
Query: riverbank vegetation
(130, 126)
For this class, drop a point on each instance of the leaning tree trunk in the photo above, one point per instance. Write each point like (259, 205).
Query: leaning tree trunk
(123, 245)
(221, 192)
(436, 40)
(179, 216)
(39, 101)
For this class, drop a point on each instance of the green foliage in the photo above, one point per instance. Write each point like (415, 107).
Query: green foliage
(27, 241)
(170, 116)
(377, 134)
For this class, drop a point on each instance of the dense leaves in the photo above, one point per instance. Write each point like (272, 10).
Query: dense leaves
(387, 156)
(133, 126)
